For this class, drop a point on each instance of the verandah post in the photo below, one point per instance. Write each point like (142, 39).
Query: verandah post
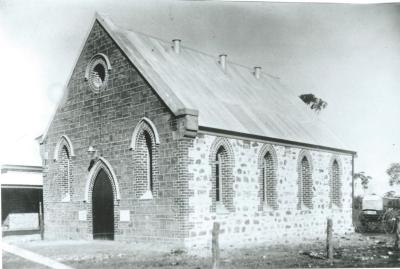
(41, 222)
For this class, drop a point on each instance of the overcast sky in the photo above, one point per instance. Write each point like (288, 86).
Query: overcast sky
(346, 54)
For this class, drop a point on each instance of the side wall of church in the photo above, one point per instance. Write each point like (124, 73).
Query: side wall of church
(106, 121)
(249, 220)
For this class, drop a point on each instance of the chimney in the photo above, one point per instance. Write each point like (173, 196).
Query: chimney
(222, 61)
(257, 72)
(176, 44)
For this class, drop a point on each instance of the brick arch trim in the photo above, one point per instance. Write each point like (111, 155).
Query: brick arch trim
(105, 58)
(106, 166)
(227, 197)
(339, 162)
(218, 142)
(63, 141)
(266, 148)
(331, 162)
(304, 153)
(262, 191)
(300, 194)
(144, 124)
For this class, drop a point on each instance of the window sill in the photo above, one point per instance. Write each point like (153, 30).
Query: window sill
(335, 207)
(220, 209)
(268, 208)
(147, 196)
(66, 198)
(305, 209)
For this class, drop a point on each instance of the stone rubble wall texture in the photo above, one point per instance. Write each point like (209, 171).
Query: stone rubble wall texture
(117, 110)
(249, 224)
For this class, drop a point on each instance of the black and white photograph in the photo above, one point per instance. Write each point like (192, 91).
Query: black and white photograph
(199, 134)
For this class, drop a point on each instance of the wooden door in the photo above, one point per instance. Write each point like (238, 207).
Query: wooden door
(103, 208)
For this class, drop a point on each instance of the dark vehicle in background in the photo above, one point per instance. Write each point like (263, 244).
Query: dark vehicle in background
(378, 214)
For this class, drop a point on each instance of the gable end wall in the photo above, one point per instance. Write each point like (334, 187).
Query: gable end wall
(106, 121)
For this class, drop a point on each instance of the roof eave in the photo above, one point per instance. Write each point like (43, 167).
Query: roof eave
(241, 135)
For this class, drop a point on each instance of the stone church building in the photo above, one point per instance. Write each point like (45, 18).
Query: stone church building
(156, 141)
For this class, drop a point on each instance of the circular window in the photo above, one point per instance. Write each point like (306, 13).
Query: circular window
(97, 73)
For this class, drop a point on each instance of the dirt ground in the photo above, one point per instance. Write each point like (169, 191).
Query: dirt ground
(356, 250)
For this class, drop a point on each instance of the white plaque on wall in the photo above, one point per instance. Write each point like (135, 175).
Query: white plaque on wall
(124, 215)
(82, 215)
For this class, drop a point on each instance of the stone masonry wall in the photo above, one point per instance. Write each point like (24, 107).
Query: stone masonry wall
(250, 224)
(106, 121)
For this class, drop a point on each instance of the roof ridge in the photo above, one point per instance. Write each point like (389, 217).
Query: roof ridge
(123, 29)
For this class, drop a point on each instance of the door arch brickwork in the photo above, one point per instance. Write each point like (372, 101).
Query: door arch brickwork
(102, 165)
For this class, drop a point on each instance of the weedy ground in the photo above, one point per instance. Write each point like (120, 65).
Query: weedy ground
(355, 250)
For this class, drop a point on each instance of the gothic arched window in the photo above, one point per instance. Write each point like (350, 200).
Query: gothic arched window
(149, 161)
(335, 185)
(145, 155)
(305, 184)
(64, 173)
(269, 195)
(221, 158)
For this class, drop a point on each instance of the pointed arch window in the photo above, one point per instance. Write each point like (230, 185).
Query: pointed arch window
(149, 161)
(335, 185)
(219, 166)
(222, 162)
(305, 186)
(63, 154)
(144, 165)
(64, 168)
(144, 143)
(269, 195)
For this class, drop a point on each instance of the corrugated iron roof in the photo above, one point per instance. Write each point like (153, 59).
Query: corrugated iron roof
(232, 100)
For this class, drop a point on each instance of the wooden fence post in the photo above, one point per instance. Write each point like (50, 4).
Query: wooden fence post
(329, 246)
(41, 222)
(215, 246)
(397, 234)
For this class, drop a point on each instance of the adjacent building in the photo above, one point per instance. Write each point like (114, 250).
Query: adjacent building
(21, 194)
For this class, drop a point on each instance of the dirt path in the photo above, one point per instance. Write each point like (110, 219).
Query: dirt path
(350, 251)
(12, 261)
(33, 257)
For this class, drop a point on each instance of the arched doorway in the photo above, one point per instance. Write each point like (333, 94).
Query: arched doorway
(103, 207)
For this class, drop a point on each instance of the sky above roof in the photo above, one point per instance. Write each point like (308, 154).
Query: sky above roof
(345, 54)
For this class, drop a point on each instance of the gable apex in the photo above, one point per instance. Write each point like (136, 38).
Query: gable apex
(165, 93)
